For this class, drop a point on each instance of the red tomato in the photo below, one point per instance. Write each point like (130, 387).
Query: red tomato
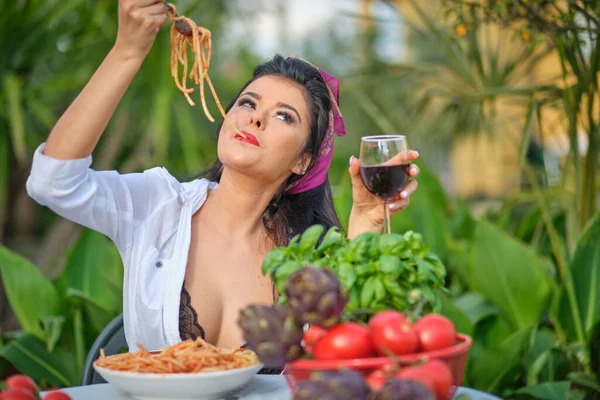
(376, 379)
(311, 335)
(418, 374)
(392, 331)
(17, 394)
(57, 395)
(442, 377)
(23, 382)
(435, 332)
(343, 342)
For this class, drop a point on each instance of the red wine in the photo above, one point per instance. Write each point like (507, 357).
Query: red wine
(385, 181)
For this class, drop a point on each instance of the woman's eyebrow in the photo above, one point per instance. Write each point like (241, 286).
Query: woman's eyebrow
(252, 94)
(283, 105)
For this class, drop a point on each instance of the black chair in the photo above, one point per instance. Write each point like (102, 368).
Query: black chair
(112, 340)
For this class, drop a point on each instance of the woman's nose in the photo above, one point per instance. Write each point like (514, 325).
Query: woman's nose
(256, 119)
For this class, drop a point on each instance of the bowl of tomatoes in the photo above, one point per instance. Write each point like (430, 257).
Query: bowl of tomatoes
(429, 351)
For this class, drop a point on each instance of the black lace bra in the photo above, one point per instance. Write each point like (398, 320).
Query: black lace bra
(189, 328)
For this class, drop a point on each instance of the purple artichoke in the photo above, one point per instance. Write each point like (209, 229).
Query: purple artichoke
(315, 296)
(344, 384)
(310, 390)
(272, 333)
(401, 389)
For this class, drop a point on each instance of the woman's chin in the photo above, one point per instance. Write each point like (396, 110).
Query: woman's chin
(243, 164)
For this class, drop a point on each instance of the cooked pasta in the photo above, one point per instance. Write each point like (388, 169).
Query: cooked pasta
(185, 357)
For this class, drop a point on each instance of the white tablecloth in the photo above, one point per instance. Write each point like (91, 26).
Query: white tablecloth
(262, 387)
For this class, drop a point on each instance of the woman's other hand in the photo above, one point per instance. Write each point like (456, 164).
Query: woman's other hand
(367, 209)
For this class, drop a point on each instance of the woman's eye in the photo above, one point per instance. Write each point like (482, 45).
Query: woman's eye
(245, 102)
(285, 117)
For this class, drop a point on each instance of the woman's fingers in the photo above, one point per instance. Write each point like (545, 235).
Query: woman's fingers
(403, 199)
(413, 170)
(409, 189)
(403, 158)
(155, 9)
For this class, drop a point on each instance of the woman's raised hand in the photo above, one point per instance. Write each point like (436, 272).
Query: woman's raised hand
(139, 23)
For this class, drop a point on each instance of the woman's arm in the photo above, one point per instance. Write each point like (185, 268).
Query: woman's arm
(61, 178)
(77, 132)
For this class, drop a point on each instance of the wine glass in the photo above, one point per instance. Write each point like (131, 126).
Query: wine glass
(384, 165)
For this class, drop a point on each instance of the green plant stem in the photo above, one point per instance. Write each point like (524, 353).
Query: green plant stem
(564, 274)
(571, 99)
(588, 198)
(79, 340)
(5, 161)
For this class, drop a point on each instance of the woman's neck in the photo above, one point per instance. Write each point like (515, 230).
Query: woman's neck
(236, 208)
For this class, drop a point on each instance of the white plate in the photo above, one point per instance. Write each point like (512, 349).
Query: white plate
(184, 386)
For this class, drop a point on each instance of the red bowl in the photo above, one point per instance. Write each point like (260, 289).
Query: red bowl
(455, 357)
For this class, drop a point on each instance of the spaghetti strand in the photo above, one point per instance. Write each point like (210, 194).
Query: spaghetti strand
(187, 36)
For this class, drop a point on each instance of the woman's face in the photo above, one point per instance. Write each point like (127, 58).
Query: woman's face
(273, 113)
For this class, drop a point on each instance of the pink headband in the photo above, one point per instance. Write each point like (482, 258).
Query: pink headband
(318, 173)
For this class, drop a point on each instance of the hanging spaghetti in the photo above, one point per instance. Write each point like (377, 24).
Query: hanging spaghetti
(185, 33)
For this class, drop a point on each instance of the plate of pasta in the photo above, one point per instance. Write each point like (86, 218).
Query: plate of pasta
(192, 369)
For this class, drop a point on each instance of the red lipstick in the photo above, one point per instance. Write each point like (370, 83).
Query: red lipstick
(250, 138)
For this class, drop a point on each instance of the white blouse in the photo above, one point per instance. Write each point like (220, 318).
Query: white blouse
(148, 216)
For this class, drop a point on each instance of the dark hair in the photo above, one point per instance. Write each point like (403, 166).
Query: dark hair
(289, 215)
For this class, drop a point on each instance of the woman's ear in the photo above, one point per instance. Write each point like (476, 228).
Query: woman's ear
(301, 164)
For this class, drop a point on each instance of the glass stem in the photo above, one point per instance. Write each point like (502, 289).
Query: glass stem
(386, 218)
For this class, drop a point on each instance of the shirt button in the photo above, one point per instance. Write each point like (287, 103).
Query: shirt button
(159, 264)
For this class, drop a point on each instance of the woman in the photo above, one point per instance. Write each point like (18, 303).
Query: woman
(193, 251)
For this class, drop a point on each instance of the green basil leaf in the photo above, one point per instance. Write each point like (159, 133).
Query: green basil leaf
(320, 263)
(353, 299)
(294, 242)
(417, 246)
(393, 287)
(399, 304)
(374, 251)
(409, 273)
(424, 271)
(346, 275)
(332, 237)
(344, 254)
(368, 292)
(273, 260)
(438, 267)
(362, 269)
(282, 273)
(390, 266)
(379, 289)
(360, 246)
(310, 237)
(391, 244)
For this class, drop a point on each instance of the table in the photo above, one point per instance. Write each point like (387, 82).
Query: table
(262, 387)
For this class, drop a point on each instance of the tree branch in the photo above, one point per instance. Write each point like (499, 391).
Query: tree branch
(591, 17)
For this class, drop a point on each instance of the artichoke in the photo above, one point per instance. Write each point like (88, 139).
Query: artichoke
(401, 389)
(272, 333)
(344, 384)
(333, 385)
(311, 390)
(315, 296)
